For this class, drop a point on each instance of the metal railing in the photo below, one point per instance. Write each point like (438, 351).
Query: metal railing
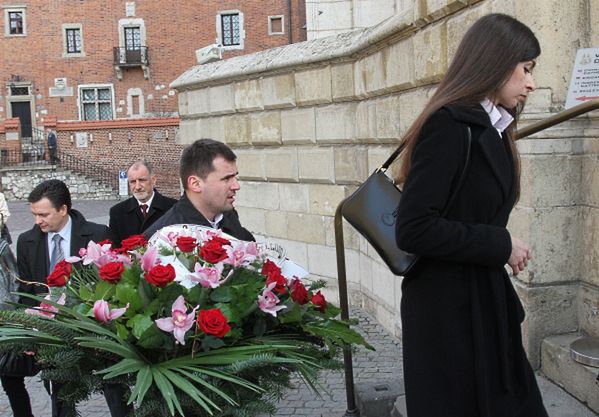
(352, 410)
(124, 57)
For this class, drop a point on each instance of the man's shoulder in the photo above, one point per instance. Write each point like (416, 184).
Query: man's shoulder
(30, 235)
(163, 201)
(121, 205)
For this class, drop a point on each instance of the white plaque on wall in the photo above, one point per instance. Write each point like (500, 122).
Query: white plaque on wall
(584, 84)
(81, 139)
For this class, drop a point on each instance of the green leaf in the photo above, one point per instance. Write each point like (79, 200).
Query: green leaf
(127, 294)
(122, 331)
(145, 291)
(142, 384)
(221, 295)
(189, 389)
(337, 332)
(154, 338)
(85, 293)
(211, 342)
(125, 366)
(187, 262)
(198, 295)
(167, 391)
(104, 290)
(169, 294)
(259, 326)
(139, 324)
(291, 315)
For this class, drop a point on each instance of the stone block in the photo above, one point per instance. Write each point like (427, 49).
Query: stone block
(400, 408)
(188, 129)
(370, 74)
(554, 237)
(376, 399)
(549, 310)
(266, 128)
(325, 198)
(213, 128)
(276, 224)
(307, 228)
(237, 129)
(296, 251)
(577, 379)
(342, 82)
(264, 195)
(383, 286)
(589, 247)
(400, 65)
(430, 54)
(351, 237)
(183, 100)
(351, 164)
(198, 101)
(251, 164)
(377, 155)
(336, 123)
(316, 164)
(278, 91)
(298, 125)
(294, 197)
(590, 179)
(411, 105)
(248, 95)
(222, 99)
(365, 273)
(313, 86)
(388, 118)
(437, 9)
(551, 180)
(281, 164)
(329, 16)
(252, 219)
(588, 309)
(322, 260)
(366, 120)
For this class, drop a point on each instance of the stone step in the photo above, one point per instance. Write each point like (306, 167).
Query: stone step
(577, 379)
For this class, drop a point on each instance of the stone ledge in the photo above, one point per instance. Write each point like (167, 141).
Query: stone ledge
(575, 378)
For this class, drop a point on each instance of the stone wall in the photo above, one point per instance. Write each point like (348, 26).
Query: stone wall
(310, 121)
(17, 183)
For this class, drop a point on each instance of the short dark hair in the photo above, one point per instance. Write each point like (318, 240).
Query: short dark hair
(54, 190)
(197, 158)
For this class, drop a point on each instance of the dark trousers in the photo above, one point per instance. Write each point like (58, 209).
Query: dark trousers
(114, 394)
(14, 387)
(52, 155)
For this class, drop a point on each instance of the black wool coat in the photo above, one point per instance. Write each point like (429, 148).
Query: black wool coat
(126, 218)
(462, 344)
(184, 212)
(33, 259)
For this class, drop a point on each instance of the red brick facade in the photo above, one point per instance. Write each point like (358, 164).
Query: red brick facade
(45, 75)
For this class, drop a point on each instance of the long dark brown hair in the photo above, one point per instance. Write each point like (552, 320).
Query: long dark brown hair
(484, 61)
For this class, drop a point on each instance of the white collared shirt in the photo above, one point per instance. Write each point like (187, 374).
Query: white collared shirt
(148, 203)
(500, 118)
(216, 221)
(65, 243)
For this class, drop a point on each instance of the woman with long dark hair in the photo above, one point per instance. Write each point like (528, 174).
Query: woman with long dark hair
(462, 344)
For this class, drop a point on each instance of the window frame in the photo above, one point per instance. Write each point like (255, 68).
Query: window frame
(220, 32)
(81, 103)
(15, 9)
(270, 19)
(65, 41)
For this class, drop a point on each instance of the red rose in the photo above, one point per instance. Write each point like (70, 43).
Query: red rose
(269, 267)
(221, 240)
(319, 301)
(213, 322)
(299, 293)
(186, 243)
(280, 281)
(60, 274)
(133, 242)
(160, 275)
(112, 271)
(104, 242)
(212, 251)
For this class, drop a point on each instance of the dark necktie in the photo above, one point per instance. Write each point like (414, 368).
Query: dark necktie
(57, 253)
(144, 210)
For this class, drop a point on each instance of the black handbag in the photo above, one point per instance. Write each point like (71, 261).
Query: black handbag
(372, 210)
(18, 364)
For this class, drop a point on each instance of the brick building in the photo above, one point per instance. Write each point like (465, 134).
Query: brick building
(99, 72)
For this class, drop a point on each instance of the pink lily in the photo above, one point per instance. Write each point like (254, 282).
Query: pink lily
(179, 322)
(47, 310)
(91, 254)
(103, 313)
(207, 277)
(268, 301)
(241, 253)
(150, 258)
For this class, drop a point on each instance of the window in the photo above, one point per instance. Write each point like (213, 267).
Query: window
(276, 25)
(229, 29)
(15, 21)
(73, 41)
(96, 102)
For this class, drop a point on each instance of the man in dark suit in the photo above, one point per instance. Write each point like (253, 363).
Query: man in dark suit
(209, 175)
(58, 233)
(137, 213)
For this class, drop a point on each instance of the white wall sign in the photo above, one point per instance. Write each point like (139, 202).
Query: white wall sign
(81, 139)
(123, 189)
(584, 84)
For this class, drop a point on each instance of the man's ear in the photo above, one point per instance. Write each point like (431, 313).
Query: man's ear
(195, 184)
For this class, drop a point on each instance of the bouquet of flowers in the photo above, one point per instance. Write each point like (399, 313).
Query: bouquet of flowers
(194, 323)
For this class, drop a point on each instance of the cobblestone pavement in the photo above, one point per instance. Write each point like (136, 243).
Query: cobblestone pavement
(381, 365)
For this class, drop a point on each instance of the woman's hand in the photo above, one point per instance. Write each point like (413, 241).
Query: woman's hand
(520, 256)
